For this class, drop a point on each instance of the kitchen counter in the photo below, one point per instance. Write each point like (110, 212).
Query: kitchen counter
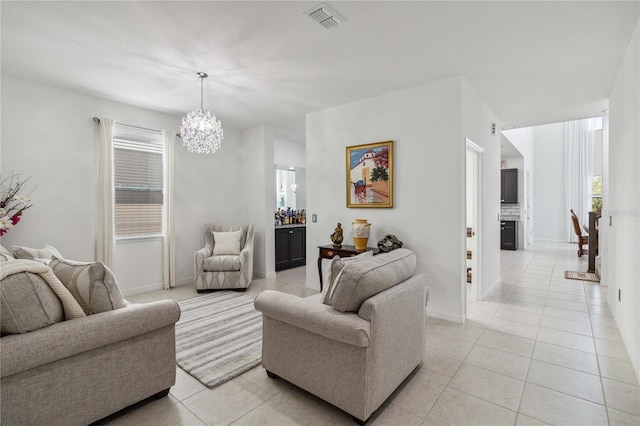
(510, 218)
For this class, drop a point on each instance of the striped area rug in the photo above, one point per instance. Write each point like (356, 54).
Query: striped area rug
(218, 337)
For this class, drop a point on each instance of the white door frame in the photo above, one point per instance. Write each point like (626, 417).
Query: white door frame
(476, 240)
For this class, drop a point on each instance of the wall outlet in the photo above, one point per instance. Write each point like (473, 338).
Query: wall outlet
(619, 295)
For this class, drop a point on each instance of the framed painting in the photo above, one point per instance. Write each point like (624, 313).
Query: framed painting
(370, 175)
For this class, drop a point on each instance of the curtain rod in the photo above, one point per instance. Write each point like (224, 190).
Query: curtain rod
(97, 121)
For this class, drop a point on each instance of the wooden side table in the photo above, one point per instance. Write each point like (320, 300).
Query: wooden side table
(329, 251)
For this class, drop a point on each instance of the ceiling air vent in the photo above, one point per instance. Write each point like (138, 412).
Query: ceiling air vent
(325, 16)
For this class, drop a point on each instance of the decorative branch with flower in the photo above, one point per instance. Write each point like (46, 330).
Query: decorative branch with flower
(13, 201)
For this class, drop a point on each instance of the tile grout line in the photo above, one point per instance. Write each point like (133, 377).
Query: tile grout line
(604, 395)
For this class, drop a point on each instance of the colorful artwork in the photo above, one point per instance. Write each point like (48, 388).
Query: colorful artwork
(370, 175)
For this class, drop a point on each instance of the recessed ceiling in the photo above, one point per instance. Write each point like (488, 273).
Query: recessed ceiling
(532, 62)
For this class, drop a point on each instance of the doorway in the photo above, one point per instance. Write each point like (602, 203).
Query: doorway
(473, 265)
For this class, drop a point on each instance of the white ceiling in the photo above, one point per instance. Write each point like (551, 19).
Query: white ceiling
(268, 63)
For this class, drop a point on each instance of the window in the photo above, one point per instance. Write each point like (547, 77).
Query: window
(596, 194)
(138, 180)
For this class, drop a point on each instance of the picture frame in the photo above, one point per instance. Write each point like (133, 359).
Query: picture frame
(369, 176)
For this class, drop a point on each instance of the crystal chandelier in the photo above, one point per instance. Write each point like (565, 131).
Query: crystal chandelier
(200, 131)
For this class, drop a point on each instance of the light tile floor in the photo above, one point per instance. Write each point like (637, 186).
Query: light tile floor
(539, 350)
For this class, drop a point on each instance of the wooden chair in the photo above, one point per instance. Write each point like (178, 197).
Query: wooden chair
(582, 239)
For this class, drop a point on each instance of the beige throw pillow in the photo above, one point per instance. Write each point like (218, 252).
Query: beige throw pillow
(91, 283)
(27, 303)
(226, 242)
(42, 255)
(335, 268)
(358, 281)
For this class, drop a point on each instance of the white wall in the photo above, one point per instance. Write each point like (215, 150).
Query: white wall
(476, 126)
(622, 202)
(287, 153)
(257, 195)
(48, 133)
(206, 190)
(426, 126)
(549, 218)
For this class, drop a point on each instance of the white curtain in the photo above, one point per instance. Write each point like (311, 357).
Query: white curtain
(105, 239)
(168, 242)
(578, 171)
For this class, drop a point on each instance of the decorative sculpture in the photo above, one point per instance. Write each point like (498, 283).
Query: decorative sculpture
(388, 243)
(337, 236)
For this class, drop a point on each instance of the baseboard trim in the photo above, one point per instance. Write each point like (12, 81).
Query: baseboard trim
(154, 287)
(491, 288)
(185, 281)
(444, 316)
(264, 275)
(142, 289)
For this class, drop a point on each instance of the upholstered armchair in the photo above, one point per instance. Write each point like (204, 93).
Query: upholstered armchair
(354, 345)
(225, 262)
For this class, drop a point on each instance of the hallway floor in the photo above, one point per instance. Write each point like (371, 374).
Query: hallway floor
(541, 349)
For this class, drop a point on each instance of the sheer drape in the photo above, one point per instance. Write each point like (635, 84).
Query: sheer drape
(168, 242)
(105, 239)
(578, 171)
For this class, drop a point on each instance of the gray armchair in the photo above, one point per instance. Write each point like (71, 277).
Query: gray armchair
(226, 271)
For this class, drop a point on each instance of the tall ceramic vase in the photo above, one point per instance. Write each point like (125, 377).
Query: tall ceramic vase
(361, 230)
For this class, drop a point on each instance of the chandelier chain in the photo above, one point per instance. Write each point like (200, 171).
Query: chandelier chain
(201, 92)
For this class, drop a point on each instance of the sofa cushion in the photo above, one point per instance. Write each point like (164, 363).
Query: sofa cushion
(91, 283)
(226, 242)
(27, 303)
(221, 263)
(360, 280)
(335, 267)
(42, 255)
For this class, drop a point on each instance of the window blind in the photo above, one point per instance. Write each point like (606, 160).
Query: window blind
(138, 181)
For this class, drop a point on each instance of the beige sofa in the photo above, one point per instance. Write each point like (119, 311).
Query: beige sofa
(76, 371)
(354, 351)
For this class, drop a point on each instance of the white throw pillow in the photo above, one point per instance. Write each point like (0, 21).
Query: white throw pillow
(54, 251)
(226, 242)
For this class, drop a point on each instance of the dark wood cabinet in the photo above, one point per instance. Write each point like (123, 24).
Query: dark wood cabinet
(291, 247)
(508, 235)
(509, 186)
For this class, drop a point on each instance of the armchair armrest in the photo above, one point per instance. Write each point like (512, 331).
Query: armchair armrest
(71, 337)
(200, 256)
(246, 254)
(314, 317)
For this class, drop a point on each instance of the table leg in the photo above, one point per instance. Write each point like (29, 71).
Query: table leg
(320, 271)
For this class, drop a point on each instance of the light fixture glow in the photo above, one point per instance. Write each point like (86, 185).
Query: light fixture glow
(200, 130)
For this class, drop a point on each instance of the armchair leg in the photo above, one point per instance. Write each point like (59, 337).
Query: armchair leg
(271, 375)
(357, 420)
(162, 393)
